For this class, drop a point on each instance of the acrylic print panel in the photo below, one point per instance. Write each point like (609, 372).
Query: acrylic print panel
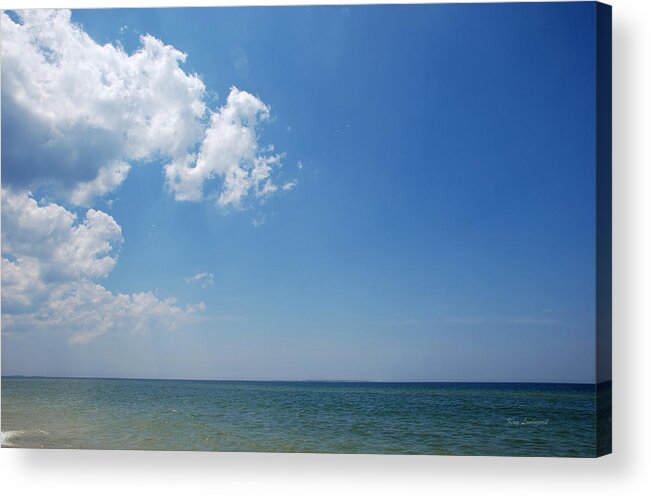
(344, 229)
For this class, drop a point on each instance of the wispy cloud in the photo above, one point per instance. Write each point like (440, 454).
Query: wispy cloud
(259, 219)
(203, 278)
(290, 185)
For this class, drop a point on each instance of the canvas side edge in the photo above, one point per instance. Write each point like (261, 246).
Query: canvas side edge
(603, 228)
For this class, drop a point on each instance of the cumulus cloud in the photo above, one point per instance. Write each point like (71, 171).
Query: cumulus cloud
(49, 238)
(75, 112)
(108, 178)
(231, 152)
(86, 310)
(76, 117)
(49, 259)
(204, 279)
(82, 113)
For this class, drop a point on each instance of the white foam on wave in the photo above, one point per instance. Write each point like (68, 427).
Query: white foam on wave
(6, 436)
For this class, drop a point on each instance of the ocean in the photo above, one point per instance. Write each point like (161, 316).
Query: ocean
(506, 419)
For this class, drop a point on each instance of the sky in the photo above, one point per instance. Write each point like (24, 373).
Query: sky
(395, 193)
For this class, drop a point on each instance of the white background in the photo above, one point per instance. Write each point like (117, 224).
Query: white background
(626, 472)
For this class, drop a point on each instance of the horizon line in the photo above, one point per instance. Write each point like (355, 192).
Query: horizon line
(299, 381)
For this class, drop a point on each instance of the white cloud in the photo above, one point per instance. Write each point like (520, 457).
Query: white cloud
(79, 111)
(76, 116)
(259, 219)
(289, 185)
(82, 113)
(204, 278)
(86, 310)
(108, 178)
(229, 151)
(48, 238)
(22, 286)
(49, 260)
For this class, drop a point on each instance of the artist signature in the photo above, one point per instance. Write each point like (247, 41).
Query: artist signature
(524, 422)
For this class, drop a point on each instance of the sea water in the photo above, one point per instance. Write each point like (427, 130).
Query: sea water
(525, 419)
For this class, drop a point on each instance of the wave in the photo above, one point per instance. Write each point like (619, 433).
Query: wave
(6, 436)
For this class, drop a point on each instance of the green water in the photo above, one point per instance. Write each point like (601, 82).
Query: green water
(388, 418)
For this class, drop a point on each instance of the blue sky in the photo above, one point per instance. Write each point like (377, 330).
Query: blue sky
(439, 219)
